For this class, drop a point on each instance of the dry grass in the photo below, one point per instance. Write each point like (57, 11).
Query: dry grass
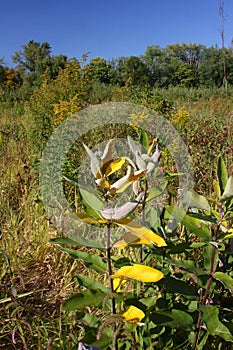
(35, 277)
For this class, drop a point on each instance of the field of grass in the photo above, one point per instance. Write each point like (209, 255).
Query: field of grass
(36, 277)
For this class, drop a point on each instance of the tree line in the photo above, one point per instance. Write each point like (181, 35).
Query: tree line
(189, 65)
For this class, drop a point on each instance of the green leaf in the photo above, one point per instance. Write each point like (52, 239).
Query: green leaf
(144, 140)
(188, 265)
(228, 236)
(207, 255)
(194, 200)
(89, 283)
(222, 174)
(156, 191)
(7, 260)
(121, 262)
(207, 218)
(153, 218)
(82, 300)
(228, 191)
(77, 241)
(182, 247)
(194, 225)
(171, 175)
(225, 279)
(174, 319)
(91, 320)
(213, 324)
(178, 286)
(105, 339)
(91, 199)
(91, 261)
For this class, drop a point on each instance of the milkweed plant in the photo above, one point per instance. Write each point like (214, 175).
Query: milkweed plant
(150, 286)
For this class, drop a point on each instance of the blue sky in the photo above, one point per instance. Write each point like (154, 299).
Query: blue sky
(111, 28)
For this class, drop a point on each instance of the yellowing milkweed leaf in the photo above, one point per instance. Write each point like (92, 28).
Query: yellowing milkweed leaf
(222, 174)
(217, 189)
(138, 272)
(113, 166)
(117, 283)
(102, 182)
(89, 219)
(133, 314)
(151, 146)
(129, 239)
(142, 232)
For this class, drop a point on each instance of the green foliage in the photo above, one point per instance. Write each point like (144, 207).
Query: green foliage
(100, 70)
(34, 59)
(170, 305)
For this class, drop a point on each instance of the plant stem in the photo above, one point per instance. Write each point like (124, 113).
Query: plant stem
(110, 266)
(203, 301)
(143, 215)
(143, 223)
(109, 275)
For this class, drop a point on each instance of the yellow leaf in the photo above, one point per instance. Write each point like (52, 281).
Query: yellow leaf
(138, 272)
(129, 239)
(141, 232)
(229, 236)
(117, 283)
(133, 314)
(151, 146)
(217, 189)
(102, 182)
(89, 219)
(112, 166)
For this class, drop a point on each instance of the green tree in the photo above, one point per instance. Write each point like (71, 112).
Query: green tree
(54, 63)
(153, 58)
(2, 71)
(131, 71)
(100, 70)
(34, 59)
(175, 64)
(211, 68)
(186, 75)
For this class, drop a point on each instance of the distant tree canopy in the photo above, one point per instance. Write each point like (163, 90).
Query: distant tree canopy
(34, 60)
(189, 65)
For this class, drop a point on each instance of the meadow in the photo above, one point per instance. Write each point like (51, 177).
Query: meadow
(39, 277)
